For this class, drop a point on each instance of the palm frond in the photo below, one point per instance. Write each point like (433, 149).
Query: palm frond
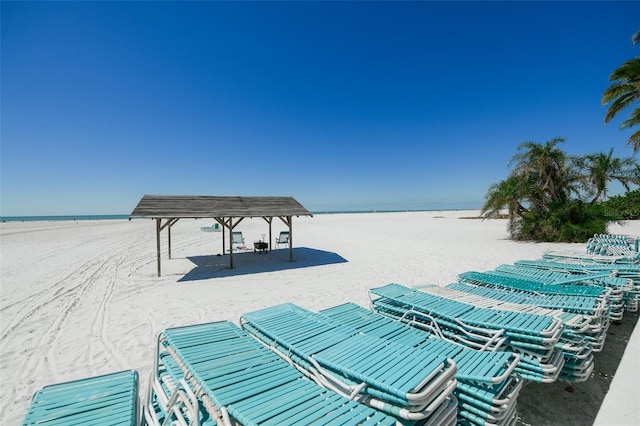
(620, 103)
(618, 89)
(629, 71)
(633, 120)
(634, 141)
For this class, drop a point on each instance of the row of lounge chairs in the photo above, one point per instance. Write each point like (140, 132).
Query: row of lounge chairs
(596, 299)
(288, 365)
(607, 249)
(397, 379)
(531, 335)
(623, 278)
(430, 356)
(434, 356)
(365, 368)
(217, 373)
(586, 294)
(421, 356)
(575, 343)
(487, 384)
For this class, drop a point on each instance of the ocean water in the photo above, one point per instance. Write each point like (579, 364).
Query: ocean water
(126, 216)
(59, 218)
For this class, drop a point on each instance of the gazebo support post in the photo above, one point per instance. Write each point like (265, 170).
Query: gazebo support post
(158, 243)
(231, 226)
(169, 241)
(290, 238)
(169, 224)
(159, 227)
(223, 223)
(230, 245)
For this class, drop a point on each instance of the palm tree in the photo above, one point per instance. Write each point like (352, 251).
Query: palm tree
(542, 175)
(546, 190)
(545, 167)
(624, 92)
(510, 194)
(600, 169)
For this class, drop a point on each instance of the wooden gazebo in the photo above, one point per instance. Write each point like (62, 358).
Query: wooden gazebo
(227, 211)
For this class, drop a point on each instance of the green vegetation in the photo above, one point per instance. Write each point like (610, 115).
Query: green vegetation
(623, 207)
(624, 92)
(551, 196)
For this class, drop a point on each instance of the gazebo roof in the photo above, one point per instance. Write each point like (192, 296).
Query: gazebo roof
(227, 211)
(195, 207)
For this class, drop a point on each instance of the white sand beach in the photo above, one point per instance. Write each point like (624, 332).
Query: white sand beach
(83, 298)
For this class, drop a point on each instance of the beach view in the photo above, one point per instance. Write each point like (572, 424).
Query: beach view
(84, 299)
(291, 213)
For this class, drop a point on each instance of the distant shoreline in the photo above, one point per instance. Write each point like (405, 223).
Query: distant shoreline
(62, 218)
(57, 218)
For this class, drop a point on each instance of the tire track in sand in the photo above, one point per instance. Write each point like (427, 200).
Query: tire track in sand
(28, 363)
(108, 279)
(100, 322)
(42, 299)
(72, 299)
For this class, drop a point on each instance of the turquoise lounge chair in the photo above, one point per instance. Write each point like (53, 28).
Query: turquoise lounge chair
(111, 399)
(398, 379)
(577, 339)
(236, 380)
(487, 386)
(533, 336)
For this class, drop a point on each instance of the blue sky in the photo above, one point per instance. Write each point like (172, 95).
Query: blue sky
(342, 105)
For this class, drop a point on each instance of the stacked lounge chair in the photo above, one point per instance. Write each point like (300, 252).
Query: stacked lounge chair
(217, 374)
(594, 302)
(111, 399)
(487, 386)
(622, 278)
(575, 342)
(395, 378)
(560, 282)
(629, 257)
(576, 348)
(532, 335)
(612, 245)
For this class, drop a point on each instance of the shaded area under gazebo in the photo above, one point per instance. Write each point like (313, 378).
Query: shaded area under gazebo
(211, 266)
(228, 211)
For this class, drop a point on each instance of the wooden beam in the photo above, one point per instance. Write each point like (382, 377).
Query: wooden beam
(159, 227)
(231, 227)
(170, 221)
(230, 244)
(290, 238)
(169, 224)
(158, 243)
